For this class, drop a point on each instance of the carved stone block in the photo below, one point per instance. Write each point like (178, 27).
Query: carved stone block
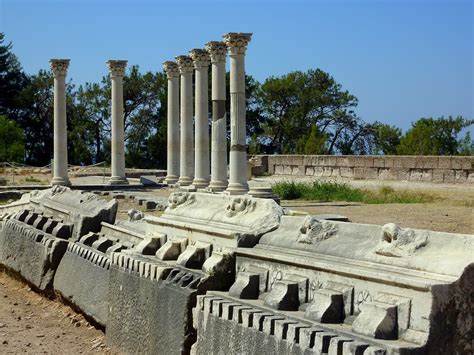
(149, 245)
(336, 345)
(378, 320)
(171, 249)
(327, 307)
(354, 348)
(263, 277)
(102, 244)
(194, 256)
(246, 286)
(284, 296)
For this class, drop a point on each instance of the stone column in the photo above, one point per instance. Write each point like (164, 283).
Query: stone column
(59, 68)
(172, 71)
(218, 53)
(201, 62)
(237, 44)
(117, 71)
(185, 65)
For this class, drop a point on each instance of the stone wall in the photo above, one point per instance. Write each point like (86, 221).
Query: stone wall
(442, 169)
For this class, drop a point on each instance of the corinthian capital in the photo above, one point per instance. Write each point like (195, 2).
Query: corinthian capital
(200, 58)
(59, 66)
(117, 67)
(185, 64)
(171, 69)
(237, 42)
(217, 51)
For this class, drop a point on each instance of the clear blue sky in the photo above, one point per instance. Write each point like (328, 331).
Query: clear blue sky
(402, 59)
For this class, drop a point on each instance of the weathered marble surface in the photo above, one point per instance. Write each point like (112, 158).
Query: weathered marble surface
(228, 220)
(84, 210)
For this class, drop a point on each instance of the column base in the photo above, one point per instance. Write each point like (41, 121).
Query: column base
(171, 179)
(57, 180)
(237, 188)
(118, 180)
(200, 183)
(185, 181)
(217, 186)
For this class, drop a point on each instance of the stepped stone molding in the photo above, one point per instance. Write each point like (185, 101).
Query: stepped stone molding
(32, 245)
(84, 210)
(439, 169)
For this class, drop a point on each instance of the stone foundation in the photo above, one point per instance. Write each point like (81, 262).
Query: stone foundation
(439, 169)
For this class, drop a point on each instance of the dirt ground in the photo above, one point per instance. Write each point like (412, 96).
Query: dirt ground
(33, 324)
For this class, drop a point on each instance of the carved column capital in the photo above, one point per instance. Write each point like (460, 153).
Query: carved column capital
(59, 66)
(237, 42)
(217, 51)
(171, 69)
(117, 67)
(185, 64)
(200, 58)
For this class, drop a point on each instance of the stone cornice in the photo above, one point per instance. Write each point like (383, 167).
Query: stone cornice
(237, 42)
(59, 66)
(200, 57)
(171, 69)
(185, 64)
(117, 67)
(217, 51)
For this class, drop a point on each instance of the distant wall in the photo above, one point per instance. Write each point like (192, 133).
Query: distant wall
(442, 169)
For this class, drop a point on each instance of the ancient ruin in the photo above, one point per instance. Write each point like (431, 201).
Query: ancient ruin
(224, 270)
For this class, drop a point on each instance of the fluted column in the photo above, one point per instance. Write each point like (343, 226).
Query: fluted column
(218, 53)
(237, 45)
(172, 71)
(117, 71)
(185, 65)
(60, 176)
(201, 63)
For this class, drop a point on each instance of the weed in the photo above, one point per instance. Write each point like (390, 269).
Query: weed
(334, 191)
(32, 179)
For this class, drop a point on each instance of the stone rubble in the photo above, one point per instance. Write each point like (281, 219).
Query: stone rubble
(230, 274)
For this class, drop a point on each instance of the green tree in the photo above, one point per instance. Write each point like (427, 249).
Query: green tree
(12, 80)
(466, 145)
(386, 138)
(429, 136)
(312, 143)
(37, 118)
(293, 103)
(12, 145)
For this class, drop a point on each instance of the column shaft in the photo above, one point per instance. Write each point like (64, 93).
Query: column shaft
(238, 145)
(202, 129)
(237, 43)
(201, 138)
(186, 116)
(218, 52)
(173, 123)
(117, 69)
(60, 171)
